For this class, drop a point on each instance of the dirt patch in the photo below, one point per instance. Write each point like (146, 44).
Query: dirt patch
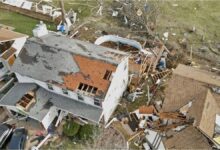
(110, 139)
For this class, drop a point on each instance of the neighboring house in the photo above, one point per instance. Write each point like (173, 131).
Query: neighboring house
(191, 92)
(65, 75)
(11, 44)
(188, 138)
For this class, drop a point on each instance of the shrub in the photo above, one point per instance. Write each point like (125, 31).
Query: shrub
(86, 132)
(71, 128)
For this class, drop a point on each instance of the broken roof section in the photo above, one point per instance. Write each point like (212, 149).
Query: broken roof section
(187, 84)
(189, 91)
(43, 97)
(8, 35)
(67, 62)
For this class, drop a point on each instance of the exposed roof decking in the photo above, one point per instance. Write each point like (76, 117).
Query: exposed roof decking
(91, 73)
(67, 62)
(8, 35)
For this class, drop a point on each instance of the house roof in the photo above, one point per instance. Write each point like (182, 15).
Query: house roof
(147, 109)
(197, 74)
(204, 112)
(67, 62)
(8, 35)
(187, 84)
(189, 138)
(180, 91)
(184, 88)
(81, 48)
(43, 96)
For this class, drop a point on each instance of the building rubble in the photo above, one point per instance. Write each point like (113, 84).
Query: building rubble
(115, 81)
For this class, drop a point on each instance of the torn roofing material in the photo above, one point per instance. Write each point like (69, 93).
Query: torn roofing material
(67, 62)
(16, 93)
(8, 35)
(43, 96)
(44, 63)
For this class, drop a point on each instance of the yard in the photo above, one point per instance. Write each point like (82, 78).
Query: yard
(20, 22)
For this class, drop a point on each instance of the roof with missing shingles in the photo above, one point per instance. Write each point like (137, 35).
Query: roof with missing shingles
(67, 62)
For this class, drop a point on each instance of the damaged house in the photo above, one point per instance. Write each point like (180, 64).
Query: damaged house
(194, 93)
(58, 76)
(11, 44)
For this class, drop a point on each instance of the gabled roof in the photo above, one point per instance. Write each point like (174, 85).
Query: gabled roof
(187, 84)
(189, 138)
(192, 85)
(67, 62)
(204, 112)
(8, 35)
(180, 91)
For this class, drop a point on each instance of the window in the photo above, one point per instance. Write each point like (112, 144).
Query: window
(80, 97)
(65, 91)
(1, 65)
(85, 87)
(107, 75)
(96, 102)
(80, 86)
(89, 89)
(50, 86)
(94, 90)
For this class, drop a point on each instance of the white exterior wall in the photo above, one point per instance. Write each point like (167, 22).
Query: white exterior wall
(117, 87)
(18, 44)
(50, 116)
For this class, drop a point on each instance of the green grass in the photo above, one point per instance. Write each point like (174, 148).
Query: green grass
(82, 7)
(204, 15)
(21, 23)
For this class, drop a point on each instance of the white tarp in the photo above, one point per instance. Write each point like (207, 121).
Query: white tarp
(27, 5)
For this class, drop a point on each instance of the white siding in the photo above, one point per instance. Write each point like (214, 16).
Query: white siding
(18, 44)
(50, 116)
(117, 87)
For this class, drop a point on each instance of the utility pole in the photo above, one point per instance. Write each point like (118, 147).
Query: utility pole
(63, 11)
